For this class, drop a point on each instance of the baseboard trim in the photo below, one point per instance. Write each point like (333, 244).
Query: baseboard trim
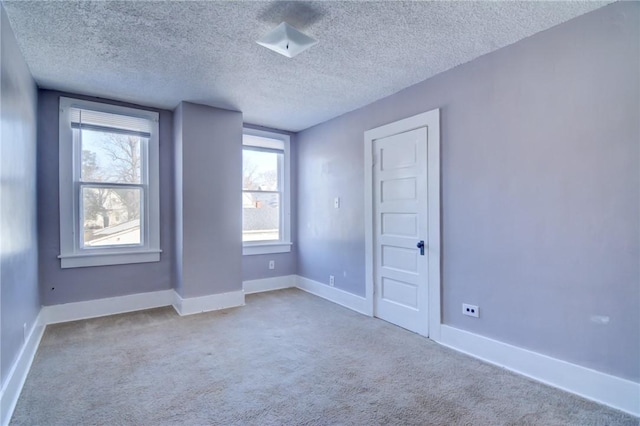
(613, 391)
(108, 306)
(335, 295)
(603, 388)
(211, 302)
(269, 284)
(19, 371)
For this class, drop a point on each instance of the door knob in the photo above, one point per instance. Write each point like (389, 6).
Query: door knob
(420, 245)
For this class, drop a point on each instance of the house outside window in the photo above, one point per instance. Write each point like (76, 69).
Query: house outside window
(109, 189)
(266, 199)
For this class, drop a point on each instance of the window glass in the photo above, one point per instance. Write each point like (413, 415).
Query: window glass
(261, 196)
(260, 216)
(110, 157)
(111, 216)
(260, 170)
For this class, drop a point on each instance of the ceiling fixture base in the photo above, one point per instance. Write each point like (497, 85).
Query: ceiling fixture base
(287, 40)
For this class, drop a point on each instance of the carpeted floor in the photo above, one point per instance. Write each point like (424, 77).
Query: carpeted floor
(287, 358)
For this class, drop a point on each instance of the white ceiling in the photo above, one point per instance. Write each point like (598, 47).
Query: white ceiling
(161, 53)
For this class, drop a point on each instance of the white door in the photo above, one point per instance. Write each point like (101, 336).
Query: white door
(400, 227)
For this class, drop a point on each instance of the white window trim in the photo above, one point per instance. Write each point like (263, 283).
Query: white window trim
(284, 245)
(71, 255)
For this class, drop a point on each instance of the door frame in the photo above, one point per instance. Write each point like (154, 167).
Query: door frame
(430, 120)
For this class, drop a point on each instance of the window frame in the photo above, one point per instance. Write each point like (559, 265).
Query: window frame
(283, 245)
(72, 254)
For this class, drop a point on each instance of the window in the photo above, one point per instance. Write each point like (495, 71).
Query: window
(265, 193)
(109, 191)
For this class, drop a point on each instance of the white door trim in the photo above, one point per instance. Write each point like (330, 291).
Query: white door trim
(430, 120)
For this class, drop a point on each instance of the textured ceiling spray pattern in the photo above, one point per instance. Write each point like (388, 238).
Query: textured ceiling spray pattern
(161, 53)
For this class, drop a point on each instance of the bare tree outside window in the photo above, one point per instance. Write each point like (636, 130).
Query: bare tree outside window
(111, 213)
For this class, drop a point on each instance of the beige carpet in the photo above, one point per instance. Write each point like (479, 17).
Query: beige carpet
(285, 358)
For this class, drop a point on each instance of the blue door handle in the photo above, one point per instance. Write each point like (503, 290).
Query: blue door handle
(420, 245)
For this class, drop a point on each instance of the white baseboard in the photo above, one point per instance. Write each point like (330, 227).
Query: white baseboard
(600, 387)
(603, 388)
(268, 284)
(18, 373)
(212, 302)
(613, 391)
(335, 295)
(108, 306)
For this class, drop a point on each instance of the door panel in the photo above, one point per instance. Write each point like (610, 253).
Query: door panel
(399, 224)
(398, 189)
(399, 258)
(399, 292)
(400, 221)
(404, 154)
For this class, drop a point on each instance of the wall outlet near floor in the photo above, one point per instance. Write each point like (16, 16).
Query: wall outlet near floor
(470, 310)
(272, 264)
(336, 203)
(332, 280)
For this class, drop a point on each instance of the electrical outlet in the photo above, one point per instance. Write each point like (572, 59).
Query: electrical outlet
(336, 203)
(332, 280)
(470, 310)
(272, 264)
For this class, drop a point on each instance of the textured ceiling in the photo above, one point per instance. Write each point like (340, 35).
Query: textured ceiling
(161, 53)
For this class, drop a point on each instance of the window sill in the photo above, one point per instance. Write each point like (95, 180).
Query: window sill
(266, 248)
(111, 258)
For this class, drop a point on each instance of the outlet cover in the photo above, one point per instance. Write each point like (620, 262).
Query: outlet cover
(470, 310)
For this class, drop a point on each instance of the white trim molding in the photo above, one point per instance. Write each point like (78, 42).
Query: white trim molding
(335, 295)
(112, 258)
(72, 252)
(430, 120)
(211, 302)
(600, 387)
(107, 306)
(265, 248)
(603, 388)
(269, 284)
(19, 371)
(276, 142)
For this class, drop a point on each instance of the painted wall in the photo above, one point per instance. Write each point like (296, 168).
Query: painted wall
(209, 201)
(19, 297)
(540, 190)
(255, 267)
(78, 284)
(330, 164)
(177, 201)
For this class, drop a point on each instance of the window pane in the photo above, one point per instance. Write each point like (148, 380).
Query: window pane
(110, 157)
(111, 216)
(260, 170)
(260, 216)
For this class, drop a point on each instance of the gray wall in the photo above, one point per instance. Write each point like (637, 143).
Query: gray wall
(209, 201)
(177, 201)
(19, 299)
(540, 190)
(330, 164)
(78, 284)
(257, 266)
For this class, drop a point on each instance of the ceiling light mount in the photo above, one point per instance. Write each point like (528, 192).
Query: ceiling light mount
(286, 40)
